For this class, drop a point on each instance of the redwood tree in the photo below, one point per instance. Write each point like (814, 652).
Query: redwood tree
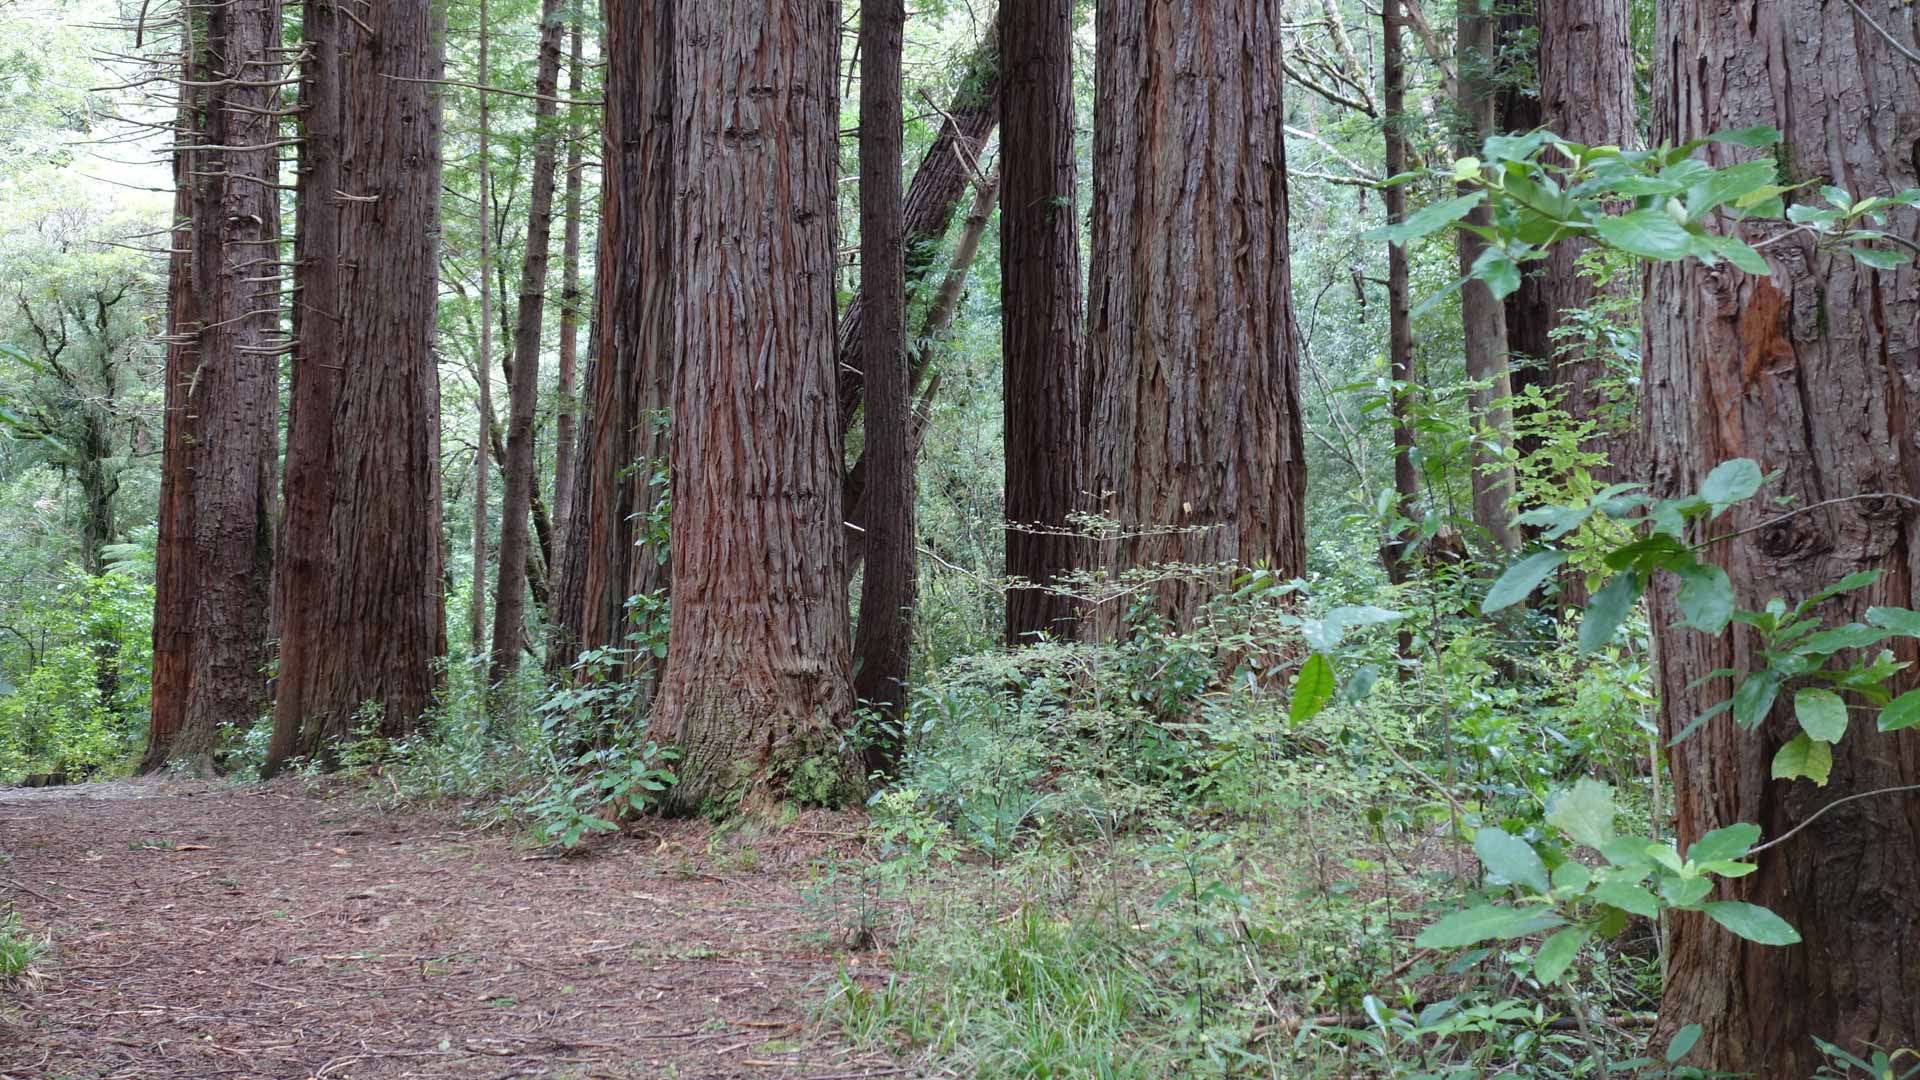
(362, 608)
(884, 645)
(1195, 436)
(221, 445)
(566, 439)
(630, 373)
(1810, 370)
(756, 691)
(1041, 323)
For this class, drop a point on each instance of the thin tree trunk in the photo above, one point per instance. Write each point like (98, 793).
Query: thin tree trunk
(1043, 324)
(756, 691)
(566, 439)
(510, 598)
(940, 182)
(1406, 475)
(1483, 318)
(364, 622)
(483, 378)
(1195, 437)
(883, 647)
(1812, 371)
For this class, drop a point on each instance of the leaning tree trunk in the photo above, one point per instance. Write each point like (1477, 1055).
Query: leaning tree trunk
(756, 692)
(1812, 370)
(623, 442)
(1042, 329)
(940, 182)
(1483, 319)
(523, 400)
(884, 644)
(363, 614)
(1195, 429)
(222, 444)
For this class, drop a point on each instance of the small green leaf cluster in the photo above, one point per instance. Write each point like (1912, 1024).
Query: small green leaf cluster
(1534, 888)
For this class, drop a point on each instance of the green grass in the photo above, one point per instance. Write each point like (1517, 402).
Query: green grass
(19, 950)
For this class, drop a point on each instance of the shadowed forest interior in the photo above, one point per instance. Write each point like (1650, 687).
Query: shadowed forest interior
(1074, 538)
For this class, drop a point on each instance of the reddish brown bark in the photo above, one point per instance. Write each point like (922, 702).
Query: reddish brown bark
(628, 379)
(1194, 360)
(756, 692)
(1394, 553)
(516, 503)
(883, 646)
(224, 391)
(939, 184)
(364, 619)
(1812, 370)
(1043, 342)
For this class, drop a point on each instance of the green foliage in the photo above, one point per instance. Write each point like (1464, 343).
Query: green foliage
(78, 703)
(20, 950)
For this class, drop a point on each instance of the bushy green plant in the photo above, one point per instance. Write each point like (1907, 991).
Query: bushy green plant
(81, 705)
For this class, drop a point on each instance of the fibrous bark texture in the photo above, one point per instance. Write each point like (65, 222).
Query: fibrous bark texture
(884, 644)
(223, 442)
(623, 439)
(363, 612)
(1813, 370)
(756, 691)
(1043, 343)
(566, 437)
(1195, 435)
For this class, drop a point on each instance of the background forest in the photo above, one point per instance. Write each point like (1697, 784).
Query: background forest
(1304, 539)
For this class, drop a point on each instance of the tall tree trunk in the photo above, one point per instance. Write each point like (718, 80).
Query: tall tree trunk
(630, 375)
(1042, 327)
(364, 617)
(884, 646)
(516, 504)
(173, 555)
(1812, 370)
(757, 690)
(221, 544)
(566, 438)
(1483, 318)
(1196, 428)
(939, 184)
(1406, 475)
(483, 377)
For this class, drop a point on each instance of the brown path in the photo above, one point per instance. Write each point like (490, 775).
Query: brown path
(212, 931)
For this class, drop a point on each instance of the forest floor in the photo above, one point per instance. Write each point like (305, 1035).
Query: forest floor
(213, 930)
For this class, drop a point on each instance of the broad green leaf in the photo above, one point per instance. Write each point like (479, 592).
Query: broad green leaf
(1901, 621)
(1606, 611)
(1902, 713)
(1682, 1043)
(1627, 896)
(1521, 579)
(1584, 812)
(1351, 617)
(1706, 598)
(1572, 875)
(1685, 892)
(1727, 185)
(1753, 138)
(1822, 714)
(1804, 758)
(1722, 844)
(1850, 636)
(1558, 520)
(1754, 698)
(1489, 923)
(1731, 482)
(1650, 234)
(1752, 922)
(1880, 260)
(1511, 858)
(1738, 252)
(1312, 688)
(1498, 271)
(1558, 953)
(1427, 219)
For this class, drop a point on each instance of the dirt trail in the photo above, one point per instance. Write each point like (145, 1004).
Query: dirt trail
(217, 931)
